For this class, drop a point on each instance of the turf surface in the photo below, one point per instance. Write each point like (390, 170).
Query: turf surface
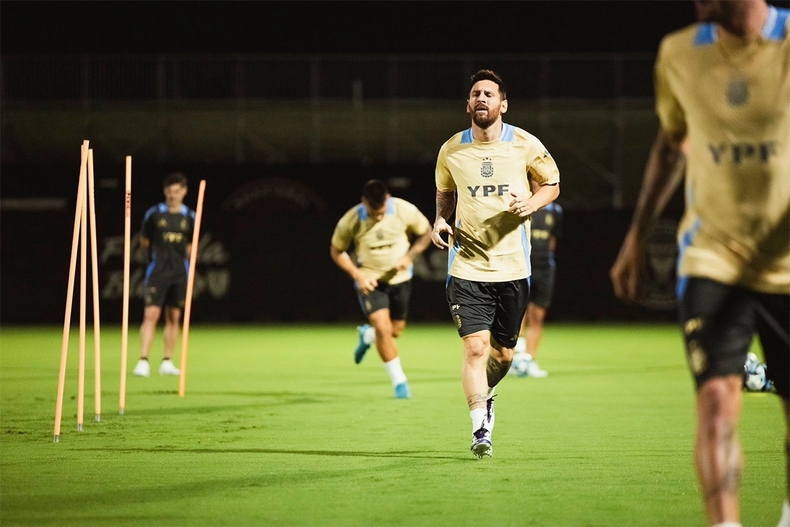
(278, 426)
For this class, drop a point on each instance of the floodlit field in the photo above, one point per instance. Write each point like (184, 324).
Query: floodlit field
(279, 427)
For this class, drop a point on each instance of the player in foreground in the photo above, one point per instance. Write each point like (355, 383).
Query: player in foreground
(381, 228)
(166, 237)
(501, 175)
(724, 85)
(546, 228)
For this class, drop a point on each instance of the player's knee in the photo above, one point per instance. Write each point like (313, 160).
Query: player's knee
(475, 348)
(719, 399)
(536, 315)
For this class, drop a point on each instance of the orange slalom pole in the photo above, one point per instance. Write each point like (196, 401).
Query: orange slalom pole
(83, 289)
(95, 276)
(70, 293)
(193, 254)
(127, 229)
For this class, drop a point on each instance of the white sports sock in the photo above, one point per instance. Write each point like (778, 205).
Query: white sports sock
(491, 390)
(478, 417)
(785, 520)
(727, 524)
(369, 336)
(521, 345)
(396, 371)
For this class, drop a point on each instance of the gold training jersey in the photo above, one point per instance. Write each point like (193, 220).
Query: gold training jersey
(379, 245)
(733, 103)
(491, 244)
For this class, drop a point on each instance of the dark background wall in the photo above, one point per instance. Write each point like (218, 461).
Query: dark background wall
(264, 249)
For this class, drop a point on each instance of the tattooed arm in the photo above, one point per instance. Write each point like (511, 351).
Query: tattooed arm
(445, 205)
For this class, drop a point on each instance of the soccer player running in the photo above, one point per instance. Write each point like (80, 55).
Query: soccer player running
(381, 229)
(501, 175)
(546, 229)
(166, 236)
(724, 85)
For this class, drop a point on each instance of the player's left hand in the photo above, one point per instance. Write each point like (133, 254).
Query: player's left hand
(520, 206)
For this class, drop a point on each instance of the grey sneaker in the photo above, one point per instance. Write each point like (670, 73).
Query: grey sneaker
(481, 443)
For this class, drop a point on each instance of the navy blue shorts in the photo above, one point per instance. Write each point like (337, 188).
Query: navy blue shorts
(541, 286)
(719, 322)
(165, 293)
(387, 296)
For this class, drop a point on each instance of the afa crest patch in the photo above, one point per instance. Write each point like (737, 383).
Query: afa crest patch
(738, 91)
(487, 168)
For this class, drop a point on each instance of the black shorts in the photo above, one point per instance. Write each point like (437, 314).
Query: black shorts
(719, 322)
(394, 297)
(541, 286)
(165, 293)
(497, 307)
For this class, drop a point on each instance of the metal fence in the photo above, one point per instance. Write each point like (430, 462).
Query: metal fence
(98, 78)
(594, 111)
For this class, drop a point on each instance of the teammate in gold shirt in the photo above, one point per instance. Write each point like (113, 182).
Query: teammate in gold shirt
(501, 174)
(381, 229)
(723, 91)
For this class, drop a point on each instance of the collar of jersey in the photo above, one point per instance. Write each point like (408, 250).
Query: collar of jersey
(775, 27)
(505, 136)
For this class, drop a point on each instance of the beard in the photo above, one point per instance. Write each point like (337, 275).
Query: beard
(485, 121)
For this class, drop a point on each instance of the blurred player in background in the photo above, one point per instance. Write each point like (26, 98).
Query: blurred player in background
(501, 175)
(381, 229)
(546, 229)
(166, 236)
(724, 85)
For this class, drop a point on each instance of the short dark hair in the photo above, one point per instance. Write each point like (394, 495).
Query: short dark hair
(375, 192)
(489, 75)
(175, 178)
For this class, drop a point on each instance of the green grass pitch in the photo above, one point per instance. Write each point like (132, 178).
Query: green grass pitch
(279, 427)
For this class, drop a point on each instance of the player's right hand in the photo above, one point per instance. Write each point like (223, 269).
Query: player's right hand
(366, 284)
(440, 227)
(627, 270)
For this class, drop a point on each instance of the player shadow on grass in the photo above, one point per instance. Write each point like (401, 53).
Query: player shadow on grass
(405, 454)
(279, 397)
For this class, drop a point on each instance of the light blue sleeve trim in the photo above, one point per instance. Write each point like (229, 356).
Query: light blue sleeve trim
(507, 133)
(453, 252)
(466, 137)
(775, 27)
(149, 212)
(685, 243)
(706, 34)
(525, 245)
(150, 268)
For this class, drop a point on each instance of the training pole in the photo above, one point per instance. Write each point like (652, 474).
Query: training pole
(70, 292)
(83, 289)
(127, 230)
(95, 276)
(193, 257)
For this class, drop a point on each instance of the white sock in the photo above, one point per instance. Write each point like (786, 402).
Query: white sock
(369, 336)
(785, 520)
(727, 524)
(478, 417)
(491, 390)
(521, 345)
(396, 372)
